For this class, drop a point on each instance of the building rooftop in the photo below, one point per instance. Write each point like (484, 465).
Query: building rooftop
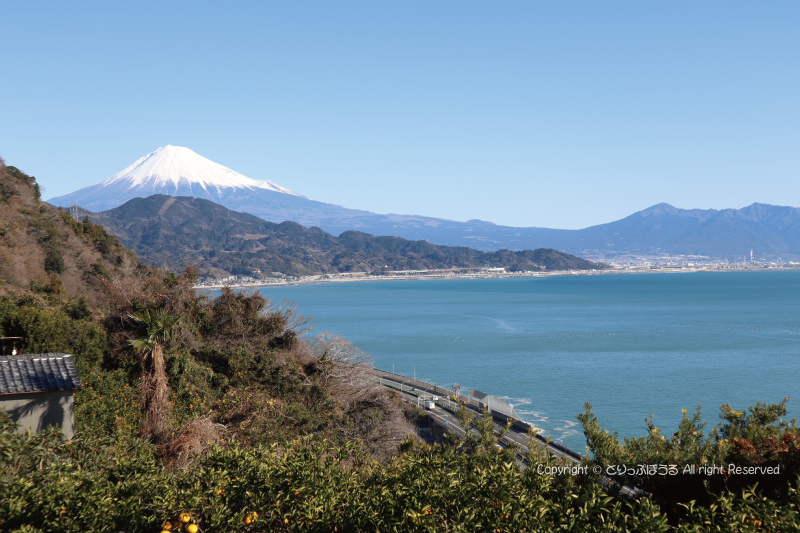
(38, 372)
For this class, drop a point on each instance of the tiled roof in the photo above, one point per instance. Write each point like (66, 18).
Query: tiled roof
(38, 372)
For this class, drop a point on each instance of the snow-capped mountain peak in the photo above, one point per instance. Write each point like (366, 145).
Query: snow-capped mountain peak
(178, 171)
(171, 167)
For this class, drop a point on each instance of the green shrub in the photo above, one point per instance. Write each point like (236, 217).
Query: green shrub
(6, 191)
(17, 174)
(45, 330)
(107, 406)
(117, 484)
(77, 308)
(53, 260)
(758, 439)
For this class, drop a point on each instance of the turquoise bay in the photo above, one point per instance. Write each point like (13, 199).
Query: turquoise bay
(633, 345)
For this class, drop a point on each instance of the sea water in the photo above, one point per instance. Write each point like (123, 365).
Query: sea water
(632, 345)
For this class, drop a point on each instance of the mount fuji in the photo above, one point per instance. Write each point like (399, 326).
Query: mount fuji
(172, 170)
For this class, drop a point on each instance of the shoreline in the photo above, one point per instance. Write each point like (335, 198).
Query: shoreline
(344, 278)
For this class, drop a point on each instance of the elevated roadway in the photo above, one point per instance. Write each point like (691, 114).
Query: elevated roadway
(519, 433)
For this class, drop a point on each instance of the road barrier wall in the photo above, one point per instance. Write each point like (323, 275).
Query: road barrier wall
(494, 404)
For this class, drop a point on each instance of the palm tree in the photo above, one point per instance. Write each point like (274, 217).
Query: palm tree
(157, 327)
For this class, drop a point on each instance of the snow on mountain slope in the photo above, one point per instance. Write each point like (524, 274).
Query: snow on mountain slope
(176, 171)
(176, 166)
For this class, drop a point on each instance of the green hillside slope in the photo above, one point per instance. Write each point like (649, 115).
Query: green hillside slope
(179, 231)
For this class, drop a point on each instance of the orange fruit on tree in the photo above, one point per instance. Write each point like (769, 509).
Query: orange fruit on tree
(185, 517)
(191, 528)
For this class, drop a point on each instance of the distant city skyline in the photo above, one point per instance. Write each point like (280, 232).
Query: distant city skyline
(549, 115)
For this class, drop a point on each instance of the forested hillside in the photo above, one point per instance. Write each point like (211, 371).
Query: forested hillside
(46, 251)
(179, 231)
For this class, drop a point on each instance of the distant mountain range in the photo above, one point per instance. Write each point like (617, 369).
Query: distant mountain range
(179, 231)
(771, 231)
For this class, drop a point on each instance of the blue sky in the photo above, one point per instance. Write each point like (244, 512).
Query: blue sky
(556, 114)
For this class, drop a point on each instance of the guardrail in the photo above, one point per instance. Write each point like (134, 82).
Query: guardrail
(458, 430)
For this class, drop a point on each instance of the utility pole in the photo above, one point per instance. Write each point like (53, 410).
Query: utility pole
(73, 209)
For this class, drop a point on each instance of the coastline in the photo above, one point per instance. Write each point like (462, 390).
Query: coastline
(345, 277)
